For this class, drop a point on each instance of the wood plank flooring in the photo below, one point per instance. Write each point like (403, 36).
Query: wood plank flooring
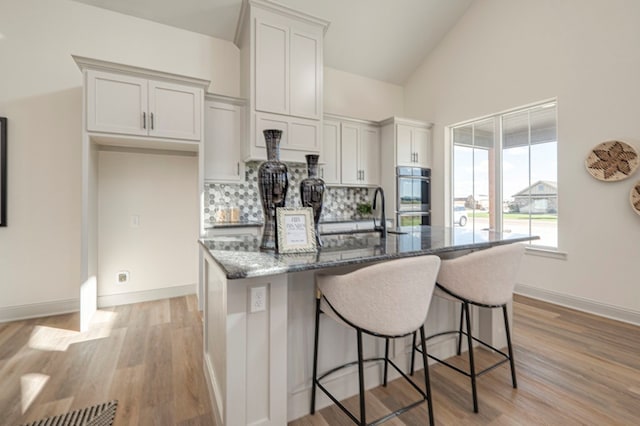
(573, 369)
(148, 356)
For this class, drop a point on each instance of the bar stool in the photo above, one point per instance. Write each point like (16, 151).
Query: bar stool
(387, 300)
(484, 278)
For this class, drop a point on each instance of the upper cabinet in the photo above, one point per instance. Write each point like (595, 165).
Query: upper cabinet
(281, 65)
(120, 103)
(410, 141)
(223, 135)
(329, 167)
(134, 106)
(350, 152)
(288, 69)
(360, 148)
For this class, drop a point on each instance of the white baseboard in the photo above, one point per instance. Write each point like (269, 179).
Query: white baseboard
(580, 304)
(145, 295)
(35, 310)
(57, 307)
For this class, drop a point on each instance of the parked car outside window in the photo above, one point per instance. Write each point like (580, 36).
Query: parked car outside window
(460, 215)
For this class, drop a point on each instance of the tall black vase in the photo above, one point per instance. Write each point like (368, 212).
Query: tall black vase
(273, 182)
(312, 192)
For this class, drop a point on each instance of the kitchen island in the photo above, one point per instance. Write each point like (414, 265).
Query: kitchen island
(259, 318)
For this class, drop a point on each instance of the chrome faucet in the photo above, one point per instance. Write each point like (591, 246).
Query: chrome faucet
(382, 228)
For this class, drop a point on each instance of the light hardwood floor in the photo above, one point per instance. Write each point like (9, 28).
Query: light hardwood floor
(148, 356)
(573, 369)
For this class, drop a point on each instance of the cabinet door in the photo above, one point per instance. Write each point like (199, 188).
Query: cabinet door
(116, 103)
(421, 146)
(304, 74)
(370, 155)
(404, 151)
(272, 70)
(304, 135)
(222, 139)
(174, 111)
(350, 167)
(330, 153)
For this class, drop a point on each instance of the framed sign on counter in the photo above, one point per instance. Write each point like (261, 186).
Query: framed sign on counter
(3, 171)
(296, 233)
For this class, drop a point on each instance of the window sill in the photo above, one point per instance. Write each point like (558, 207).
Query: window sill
(545, 252)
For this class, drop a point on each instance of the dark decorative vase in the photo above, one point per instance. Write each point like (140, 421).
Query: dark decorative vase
(273, 182)
(312, 192)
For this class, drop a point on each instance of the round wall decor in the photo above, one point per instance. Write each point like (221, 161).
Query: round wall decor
(634, 197)
(612, 161)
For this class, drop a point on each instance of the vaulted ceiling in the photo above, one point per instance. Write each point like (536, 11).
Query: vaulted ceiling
(381, 39)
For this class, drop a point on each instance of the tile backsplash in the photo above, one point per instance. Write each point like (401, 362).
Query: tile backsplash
(339, 202)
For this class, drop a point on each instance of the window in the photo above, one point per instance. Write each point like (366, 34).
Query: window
(505, 173)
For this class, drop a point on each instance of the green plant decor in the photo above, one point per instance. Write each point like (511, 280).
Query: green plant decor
(364, 209)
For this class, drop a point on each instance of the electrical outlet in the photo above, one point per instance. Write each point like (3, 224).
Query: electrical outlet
(258, 299)
(123, 277)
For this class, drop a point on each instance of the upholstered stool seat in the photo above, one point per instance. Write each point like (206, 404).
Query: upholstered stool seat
(386, 300)
(484, 278)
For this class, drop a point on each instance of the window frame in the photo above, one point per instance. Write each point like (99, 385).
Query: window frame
(498, 147)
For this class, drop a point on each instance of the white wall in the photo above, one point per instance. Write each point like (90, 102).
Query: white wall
(162, 191)
(505, 53)
(40, 94)
(355, 96)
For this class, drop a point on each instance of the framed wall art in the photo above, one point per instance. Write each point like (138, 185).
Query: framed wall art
(296, 232)
(3, 171)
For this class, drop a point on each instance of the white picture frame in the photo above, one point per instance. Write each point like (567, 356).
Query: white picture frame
(295, 230)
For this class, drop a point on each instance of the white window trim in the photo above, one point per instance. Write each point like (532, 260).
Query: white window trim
(532, 249)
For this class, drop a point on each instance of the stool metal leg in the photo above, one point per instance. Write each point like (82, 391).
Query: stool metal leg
(386, 361)
(460, 331)
(413, 354)
(427, 380)
(472, 367)
(315, 358)
(509, 346)
(363, 417)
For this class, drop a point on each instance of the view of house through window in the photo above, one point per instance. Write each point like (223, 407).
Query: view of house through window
(505, 173)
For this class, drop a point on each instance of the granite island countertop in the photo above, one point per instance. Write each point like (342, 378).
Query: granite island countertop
(241, 257)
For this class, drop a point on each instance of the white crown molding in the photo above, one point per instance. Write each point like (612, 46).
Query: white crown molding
(85, 63)
(407, 121)
(278, 8)
(580, 304)
(227, 99)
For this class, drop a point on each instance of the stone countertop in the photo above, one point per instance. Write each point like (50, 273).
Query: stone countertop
(240, 257)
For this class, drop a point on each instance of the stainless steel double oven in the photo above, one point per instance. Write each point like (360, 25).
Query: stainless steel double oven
(413, 188)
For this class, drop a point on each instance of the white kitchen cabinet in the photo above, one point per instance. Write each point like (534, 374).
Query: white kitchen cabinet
(360, 149)
(223, 135)
(281, 61)
(288, 65)
(329, 167)
(133, 105)
(411, 140)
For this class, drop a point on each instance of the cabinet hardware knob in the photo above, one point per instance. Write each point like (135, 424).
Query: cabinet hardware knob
(144, 120)
(151, 121)
(238, 167)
